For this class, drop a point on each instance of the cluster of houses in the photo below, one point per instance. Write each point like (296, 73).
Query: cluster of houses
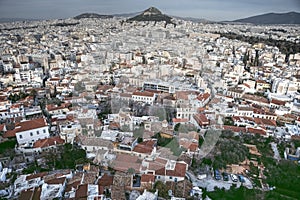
(112, 91)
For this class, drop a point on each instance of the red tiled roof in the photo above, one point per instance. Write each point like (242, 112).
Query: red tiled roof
(188, 144)
(203, 97)
(145, 147)
(278, 102)
(257, 131)
(56, 181)
(235, 128)
(114, 125)
(31, 124)
(201, 119)
(9, 134)
(51, 107)
(247, 85)
(147, 178)
(15, 106)
(106, 180)
(183, 94)
(37, 175)
(72, 185)
(267, 122)
(179, 171)
(2, 127)
(124, 162)
(146, 94)
(47, 142)
(82, 191)
(261, 81)
(178, 120)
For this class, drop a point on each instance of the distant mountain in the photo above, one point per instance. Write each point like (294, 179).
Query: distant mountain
(4, 20)
(93, 15)
(273, 18)
(151, 14)
(127, 15)
(192, 19)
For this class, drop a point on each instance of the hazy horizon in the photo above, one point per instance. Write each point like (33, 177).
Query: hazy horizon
(216, 10)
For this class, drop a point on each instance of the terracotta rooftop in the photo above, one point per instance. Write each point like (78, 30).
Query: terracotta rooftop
(256, 131)
(56, 181)
(203, 97)
(146, 178)
(235, 128)
(81, 192)
(123, 162)
(278, 102)
(145, 147)
(10, 134)
(37, 175)
(31, 124)
(106, 180)
(146, 94)
(184, 94)
(179, 170)
(47, 142)
(179, 120)
(201, 119)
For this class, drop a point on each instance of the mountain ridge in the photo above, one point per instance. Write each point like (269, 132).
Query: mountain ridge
(272, 18)
(151, 14)
(92, 15)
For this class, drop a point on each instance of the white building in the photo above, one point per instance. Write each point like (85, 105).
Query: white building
(27, 132)
(69, 131)
(146, 97)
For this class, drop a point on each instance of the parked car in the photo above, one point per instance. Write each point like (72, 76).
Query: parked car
(217, 174)
(225, 176)
(234, 178)
(241, 178)
(201, 176)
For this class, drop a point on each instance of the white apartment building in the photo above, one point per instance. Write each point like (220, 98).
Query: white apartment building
(185, 112)
(27, 132)
(282, 86)
(146, 97)
(159, 86)
(69, 131)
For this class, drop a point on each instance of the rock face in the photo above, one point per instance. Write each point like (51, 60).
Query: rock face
(151, 14)
(273, 18)
(151, 11)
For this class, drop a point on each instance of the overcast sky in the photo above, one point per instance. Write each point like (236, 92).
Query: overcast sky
(217, 10)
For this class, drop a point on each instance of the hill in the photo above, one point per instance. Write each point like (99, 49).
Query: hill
(273, 18)
(151, 14)
(93, 15)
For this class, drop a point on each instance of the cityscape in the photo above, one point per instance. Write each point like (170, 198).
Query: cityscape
(148, 106)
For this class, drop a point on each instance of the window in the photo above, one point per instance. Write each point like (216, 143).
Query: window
(31, 134)
(44, 131)
(20, 136)
(171, 177)
(37, 132)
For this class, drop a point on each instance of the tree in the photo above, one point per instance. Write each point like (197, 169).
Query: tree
(79, 87)
(33, 93)
(256, 59)
(176, 127)
(162, 189)
(245, 58)
(131, 171)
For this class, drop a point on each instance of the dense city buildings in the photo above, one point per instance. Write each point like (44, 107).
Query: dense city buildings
(109, 108)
